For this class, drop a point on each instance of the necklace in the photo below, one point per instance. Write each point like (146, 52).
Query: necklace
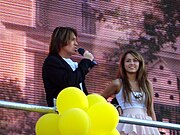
(134, 81)
(137, 94)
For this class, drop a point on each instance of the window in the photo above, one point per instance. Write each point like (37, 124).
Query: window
(154, 79)
(156, 95)
(169, 82)
(161, 67)
(88, 19)
(178, 83)
(171, 97)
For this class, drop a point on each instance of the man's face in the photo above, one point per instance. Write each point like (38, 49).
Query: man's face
(71, 47)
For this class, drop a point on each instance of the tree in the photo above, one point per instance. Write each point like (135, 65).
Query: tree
(159, 32)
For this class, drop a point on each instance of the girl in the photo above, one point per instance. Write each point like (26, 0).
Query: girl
(134, 94)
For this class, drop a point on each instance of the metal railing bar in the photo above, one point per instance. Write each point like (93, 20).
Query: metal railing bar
(43, 109)
(149, 123)
(27, 107)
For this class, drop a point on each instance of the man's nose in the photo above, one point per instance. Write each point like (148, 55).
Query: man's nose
(76, 43)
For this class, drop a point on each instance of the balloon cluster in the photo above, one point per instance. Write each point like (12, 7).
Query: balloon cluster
(79, 114)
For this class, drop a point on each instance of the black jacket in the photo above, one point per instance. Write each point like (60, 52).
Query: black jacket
(57, 75)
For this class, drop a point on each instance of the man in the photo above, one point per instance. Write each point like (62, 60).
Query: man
(59, 71)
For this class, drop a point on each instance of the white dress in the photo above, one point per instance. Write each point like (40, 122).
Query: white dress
(136, 109)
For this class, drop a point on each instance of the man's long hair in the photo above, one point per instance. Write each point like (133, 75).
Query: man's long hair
(60, 38)
(141, 78)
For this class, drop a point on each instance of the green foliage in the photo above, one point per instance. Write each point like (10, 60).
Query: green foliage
(158, 32)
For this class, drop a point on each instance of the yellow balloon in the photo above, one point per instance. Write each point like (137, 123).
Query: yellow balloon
(113, 132)
(71, 97)
(48, 125)
(74, 121)
(104, 117)
(95, 98)
(92, 133)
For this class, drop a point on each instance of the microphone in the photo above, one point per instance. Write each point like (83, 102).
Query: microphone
(81, 51)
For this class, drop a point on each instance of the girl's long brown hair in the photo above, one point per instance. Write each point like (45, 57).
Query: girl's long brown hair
(141, 78)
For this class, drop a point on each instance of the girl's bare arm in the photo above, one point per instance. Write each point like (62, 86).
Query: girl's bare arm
(112, 88)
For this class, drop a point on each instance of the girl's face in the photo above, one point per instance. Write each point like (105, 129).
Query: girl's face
(131, 64)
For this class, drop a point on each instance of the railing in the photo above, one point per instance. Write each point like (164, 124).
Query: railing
(43, 109)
